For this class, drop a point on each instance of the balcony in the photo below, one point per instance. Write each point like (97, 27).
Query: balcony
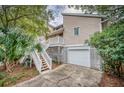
(58, 40)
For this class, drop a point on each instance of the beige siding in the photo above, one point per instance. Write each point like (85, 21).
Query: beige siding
(88, 26)
(96, 60)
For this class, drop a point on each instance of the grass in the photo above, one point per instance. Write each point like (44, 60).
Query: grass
(19, 74)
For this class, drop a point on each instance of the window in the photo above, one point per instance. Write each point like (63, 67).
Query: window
(76, 31)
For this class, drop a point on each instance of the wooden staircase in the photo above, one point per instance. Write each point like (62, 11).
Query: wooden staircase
(41, 59)
(44, 65)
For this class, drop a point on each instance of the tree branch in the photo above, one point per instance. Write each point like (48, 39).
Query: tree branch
(5, 14)
(18, 17)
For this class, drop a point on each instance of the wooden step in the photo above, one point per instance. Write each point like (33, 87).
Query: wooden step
(44, 64)
(41, 58)
(43, 69)
(43, 61)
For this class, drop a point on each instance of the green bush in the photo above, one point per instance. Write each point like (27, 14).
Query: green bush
(2, 75)
(38, 47)
(2, 83)
(110, 45)
(7, 80)
(13, 45)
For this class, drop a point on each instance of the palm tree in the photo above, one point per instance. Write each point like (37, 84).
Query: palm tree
(13, 46)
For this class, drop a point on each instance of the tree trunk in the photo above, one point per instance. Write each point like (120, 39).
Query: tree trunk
(118, 67)
(8, 67)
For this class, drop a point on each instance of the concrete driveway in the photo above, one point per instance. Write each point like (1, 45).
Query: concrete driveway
(66, 75)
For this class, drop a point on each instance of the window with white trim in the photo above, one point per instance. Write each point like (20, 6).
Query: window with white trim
(76, 31)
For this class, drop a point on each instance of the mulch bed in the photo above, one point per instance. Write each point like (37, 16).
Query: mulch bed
(111, 81)
(20, 74)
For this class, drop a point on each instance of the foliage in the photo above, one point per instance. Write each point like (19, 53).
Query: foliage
(113, 12)
(1, 55)
(14, 44)
(17, 76)
(10, 80)
(110, 44)
(2, 75)
(19, 26)
(32, 19)
(38, 47)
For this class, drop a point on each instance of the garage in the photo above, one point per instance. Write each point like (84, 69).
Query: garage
(79, 56)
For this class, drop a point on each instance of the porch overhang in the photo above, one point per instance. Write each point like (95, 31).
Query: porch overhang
(56, 32)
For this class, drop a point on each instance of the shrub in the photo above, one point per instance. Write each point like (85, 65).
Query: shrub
(2, 83)
(2, 75)
(110, 45)
(13, 45)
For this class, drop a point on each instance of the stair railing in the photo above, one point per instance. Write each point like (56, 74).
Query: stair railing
(44, 54)
(47, 58)
(37, 60)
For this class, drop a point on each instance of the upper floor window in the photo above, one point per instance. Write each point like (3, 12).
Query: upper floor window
(76, 31)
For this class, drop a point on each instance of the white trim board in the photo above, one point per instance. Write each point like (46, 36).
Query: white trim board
(74, 45)
(70, 45)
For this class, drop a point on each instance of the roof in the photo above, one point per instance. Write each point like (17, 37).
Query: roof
(55, 26)
(50, 25)
(57, 32)
(83, 15)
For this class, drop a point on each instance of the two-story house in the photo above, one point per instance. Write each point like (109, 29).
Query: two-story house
(68, 40)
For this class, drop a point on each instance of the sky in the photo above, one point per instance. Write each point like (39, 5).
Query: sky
(57, 10)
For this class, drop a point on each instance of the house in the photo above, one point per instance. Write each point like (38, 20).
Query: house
(68, 41)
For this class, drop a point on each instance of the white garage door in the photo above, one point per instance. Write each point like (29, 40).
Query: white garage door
(79, 57)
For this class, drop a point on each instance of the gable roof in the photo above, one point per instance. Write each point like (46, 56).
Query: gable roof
(83, 15)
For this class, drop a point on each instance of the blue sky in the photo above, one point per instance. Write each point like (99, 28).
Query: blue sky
(57, 10)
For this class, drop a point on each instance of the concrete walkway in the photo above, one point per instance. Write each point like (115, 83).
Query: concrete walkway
(65, 76)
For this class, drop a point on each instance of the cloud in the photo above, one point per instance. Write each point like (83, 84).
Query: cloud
(71, 10)
(57, 13)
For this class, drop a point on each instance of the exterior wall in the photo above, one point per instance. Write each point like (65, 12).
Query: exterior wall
(59, 54)
(96, 60)
(88, 26)
(56, 53)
